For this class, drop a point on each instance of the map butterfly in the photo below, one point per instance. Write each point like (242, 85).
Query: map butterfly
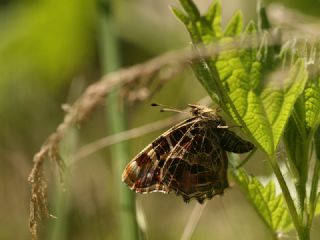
(189, 159)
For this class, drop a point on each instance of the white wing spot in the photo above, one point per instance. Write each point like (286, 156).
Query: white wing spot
(169, 142)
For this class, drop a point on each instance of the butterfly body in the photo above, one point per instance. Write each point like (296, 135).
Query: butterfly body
(189, 159)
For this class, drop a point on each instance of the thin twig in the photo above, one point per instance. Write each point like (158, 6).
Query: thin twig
(95, 146)
(246, 159)
(193, 221)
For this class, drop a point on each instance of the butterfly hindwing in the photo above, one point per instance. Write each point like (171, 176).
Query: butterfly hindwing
(197, 166)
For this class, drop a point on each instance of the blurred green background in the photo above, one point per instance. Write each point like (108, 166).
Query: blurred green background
(50, 50)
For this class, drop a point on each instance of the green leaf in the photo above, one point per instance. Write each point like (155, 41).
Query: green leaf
(311, 101)
(191, 9)
(240, 73)
(180, 15)
(200, 70)
(293, 139)
(234, 27)
(269, 206)
(279, 97)
(257, 122)
(213, 17)
(263, 18)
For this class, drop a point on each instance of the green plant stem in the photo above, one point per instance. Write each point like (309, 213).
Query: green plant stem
(287, 196)
(314, 196)
(119, 152)
(58, 228)
(301, 187)
(243, 162)
(302, 155)
(313, 191)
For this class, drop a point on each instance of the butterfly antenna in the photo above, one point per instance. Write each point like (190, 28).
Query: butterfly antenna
(165, 108)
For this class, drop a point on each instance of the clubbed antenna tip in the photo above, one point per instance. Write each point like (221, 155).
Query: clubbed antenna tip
(166, 108)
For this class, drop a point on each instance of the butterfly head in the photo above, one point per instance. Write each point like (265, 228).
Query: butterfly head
(206, 113)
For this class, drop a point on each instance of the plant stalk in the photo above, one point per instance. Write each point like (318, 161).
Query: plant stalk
(287, 196)
(313, 192)
(115, 115)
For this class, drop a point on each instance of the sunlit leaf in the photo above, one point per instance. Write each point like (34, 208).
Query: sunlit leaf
(279, 97)
(312, 99)
(190, 9)
(234, 26)
(269, 206)
(180, 15)
(213, 16)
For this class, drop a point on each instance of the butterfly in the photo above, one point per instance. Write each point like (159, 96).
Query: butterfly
(189, 159)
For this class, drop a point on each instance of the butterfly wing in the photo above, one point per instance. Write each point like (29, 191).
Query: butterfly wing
(143, 173)
(197, 166)
(189, 159)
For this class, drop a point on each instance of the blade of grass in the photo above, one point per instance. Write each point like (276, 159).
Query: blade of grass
(58, 227)
(110, 62)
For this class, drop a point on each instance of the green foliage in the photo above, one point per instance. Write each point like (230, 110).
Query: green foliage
(300, 131)
(317, 143)
(279, 101)
(271, 92)
(269, 206)
(250, 101)
(314, 199)
(311, 97)
(234, 27)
